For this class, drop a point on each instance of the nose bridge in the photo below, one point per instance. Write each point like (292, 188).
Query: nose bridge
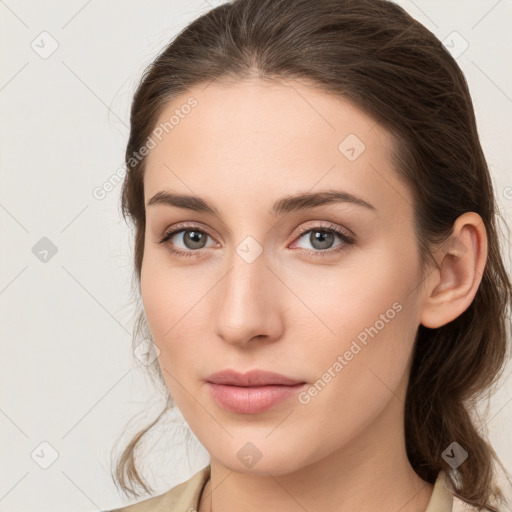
(248, 305)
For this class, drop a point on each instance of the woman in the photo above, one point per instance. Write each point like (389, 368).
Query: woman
(317, 255)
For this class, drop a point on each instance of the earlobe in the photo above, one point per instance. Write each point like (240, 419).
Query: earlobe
(450, 290)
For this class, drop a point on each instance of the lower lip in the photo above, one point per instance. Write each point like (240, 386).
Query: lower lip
(251, 400)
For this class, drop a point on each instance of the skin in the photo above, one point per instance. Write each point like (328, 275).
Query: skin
(244, 146)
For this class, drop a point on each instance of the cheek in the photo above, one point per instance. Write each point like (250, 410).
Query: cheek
(166, 314)
(365, 318)
(168, 293)
(365, 290)
(159, 297)
(361, 369)
(173, 300)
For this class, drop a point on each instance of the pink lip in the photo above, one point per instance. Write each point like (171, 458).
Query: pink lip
(253, 392)
(252, 378)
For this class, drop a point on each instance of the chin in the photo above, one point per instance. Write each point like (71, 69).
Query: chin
(260, 459)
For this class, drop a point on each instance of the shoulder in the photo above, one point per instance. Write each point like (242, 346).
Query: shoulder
(461, 506)
(444, 499)
(458, 504)
(183, 497)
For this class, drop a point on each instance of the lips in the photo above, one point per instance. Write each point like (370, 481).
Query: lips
(253, 392)
(252, 378)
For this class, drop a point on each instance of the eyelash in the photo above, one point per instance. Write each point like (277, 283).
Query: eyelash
(347, 240)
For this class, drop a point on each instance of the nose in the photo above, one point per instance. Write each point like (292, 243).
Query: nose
(249, 307)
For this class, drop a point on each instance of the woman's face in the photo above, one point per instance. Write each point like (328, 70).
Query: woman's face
(267, 283)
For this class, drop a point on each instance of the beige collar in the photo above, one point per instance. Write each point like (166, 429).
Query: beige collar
(185, 497)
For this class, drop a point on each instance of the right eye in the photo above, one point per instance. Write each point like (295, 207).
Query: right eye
(191, 237)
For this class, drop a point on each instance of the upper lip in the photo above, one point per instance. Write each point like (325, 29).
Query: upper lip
(252, 378)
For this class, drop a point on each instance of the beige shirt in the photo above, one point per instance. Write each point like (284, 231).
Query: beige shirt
(185, 497)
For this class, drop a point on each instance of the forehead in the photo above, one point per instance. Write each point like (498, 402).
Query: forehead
(259, 139)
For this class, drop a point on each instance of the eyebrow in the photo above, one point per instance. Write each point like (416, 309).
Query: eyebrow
(299, 202)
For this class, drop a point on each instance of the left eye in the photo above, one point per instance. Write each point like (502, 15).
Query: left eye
(322, 239)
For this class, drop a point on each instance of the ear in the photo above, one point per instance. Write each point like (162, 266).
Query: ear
(452, 286)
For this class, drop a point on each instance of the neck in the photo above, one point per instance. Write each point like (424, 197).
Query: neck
(371, 472)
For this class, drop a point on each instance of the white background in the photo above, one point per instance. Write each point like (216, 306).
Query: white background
(68, 376)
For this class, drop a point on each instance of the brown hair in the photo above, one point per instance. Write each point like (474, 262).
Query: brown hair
(376, 55)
